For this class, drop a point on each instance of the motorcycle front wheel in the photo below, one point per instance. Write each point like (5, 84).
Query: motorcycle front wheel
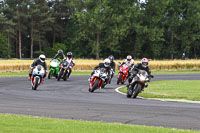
(65, 76)
(34, 87)
(94, 86)
(137, 90)
(50, 74)
(60, 75)
(129, 92)
(119, 79)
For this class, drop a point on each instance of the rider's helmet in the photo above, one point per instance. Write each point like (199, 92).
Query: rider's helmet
(42, 58)
(60, 52)
(111, 58)
(145, 62)
(107, 62)
(129, 57)
(69, 54)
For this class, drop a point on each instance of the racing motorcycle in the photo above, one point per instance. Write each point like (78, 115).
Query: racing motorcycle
(54, 68)
(64, 70)
(98, 79)
(37, 76)
(138, 83)
(122, 74)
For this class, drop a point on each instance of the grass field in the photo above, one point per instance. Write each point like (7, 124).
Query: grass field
(14, 74)
(28, 124)
(88, 72)
(86, 64)
(179, 89)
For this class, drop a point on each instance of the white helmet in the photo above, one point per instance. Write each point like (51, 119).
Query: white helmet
(42, 58)
(107, 62)
(129, 57)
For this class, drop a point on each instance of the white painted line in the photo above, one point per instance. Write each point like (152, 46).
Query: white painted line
(117, 90)
(163, 100)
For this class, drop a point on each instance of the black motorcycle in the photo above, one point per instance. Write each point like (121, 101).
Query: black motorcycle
(138, 83)
(64, 70)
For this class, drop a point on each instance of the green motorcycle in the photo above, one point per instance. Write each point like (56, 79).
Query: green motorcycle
(54, 68)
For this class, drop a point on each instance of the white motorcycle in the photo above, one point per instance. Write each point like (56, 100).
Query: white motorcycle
(37, 76)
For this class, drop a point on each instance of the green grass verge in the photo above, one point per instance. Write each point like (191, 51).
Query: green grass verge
(10, 74)
(13, 74)
(176, 89)
(28, 124)
(176, 72)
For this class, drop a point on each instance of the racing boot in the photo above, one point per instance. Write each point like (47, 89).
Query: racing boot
(145, 84)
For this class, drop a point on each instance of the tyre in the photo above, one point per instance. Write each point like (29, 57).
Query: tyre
(35, 83)
(137, 90)
(103, 85)
(65, 76)
(60, 75)
(119, 79)
(94, 86)
(50, 74)
(129, 92)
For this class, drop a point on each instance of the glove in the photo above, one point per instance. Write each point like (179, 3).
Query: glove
(151, 76)
(32, 68)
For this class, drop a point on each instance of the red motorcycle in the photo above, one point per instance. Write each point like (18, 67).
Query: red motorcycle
(122, 74)
(98, 79)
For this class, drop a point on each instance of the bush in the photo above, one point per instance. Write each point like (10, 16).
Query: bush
(38, 53)
(51, 52)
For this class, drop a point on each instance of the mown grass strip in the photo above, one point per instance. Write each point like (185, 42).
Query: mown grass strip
(176, 89)
(24, 74)
(28, 124)
(88, 72)
(177, 72)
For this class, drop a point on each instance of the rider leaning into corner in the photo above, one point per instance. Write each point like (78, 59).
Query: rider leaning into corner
(60, 56)
(112, 65)
(70, 59)
(39, 61)
(129, 62)
(105, 65)
(140, 66)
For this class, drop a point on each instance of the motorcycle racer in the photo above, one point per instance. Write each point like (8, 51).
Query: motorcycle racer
(70, 59)
(112, 65)
(129, 62)
(140, 66)
(105, 65)
(60, 56)
(39, 61)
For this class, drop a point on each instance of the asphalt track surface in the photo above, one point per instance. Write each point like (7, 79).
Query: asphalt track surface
(71, 100)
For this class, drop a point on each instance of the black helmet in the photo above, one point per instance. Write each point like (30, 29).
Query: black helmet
(69, 54)
(60, 51)
(111, 58)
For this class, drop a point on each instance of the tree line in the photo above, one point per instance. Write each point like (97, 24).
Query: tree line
(157, 29)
